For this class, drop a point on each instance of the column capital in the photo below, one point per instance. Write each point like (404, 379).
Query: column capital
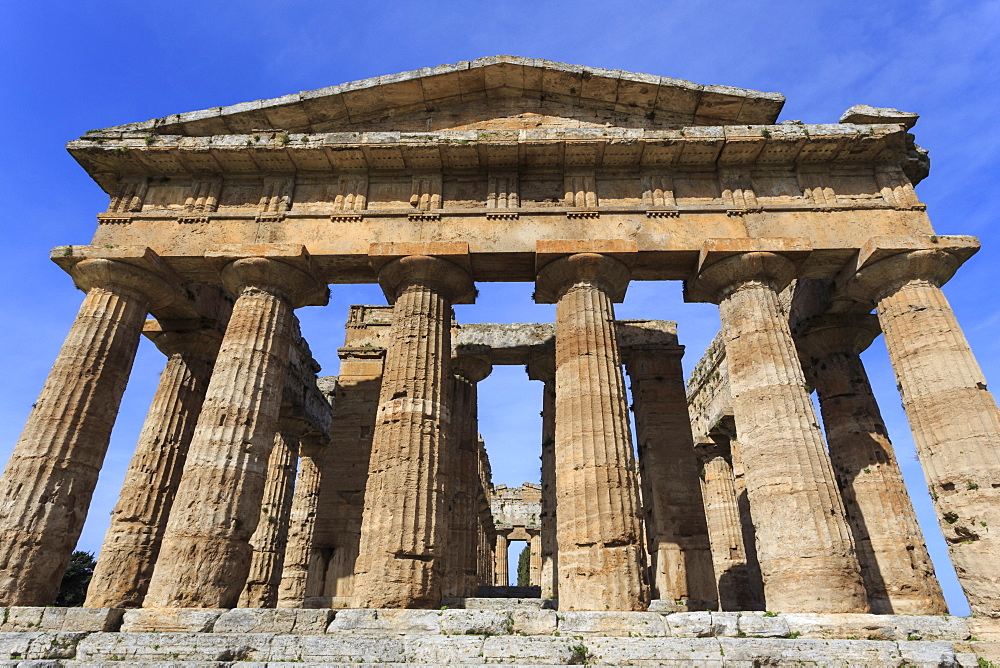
(299, 287)
(873, 282)
(601, 271)
(850, 334)
(542, 363)
(710, 447)
(471, 362)
(436, 274)
(116, 275)
(200, 343)
(714, 282)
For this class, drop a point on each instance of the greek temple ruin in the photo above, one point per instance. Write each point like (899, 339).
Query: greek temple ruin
(257, 484)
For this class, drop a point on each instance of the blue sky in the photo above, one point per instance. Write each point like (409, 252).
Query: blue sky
(67, 67)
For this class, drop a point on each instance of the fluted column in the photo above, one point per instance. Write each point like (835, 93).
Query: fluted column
(896, 567)
(723, 516)
(205, 557)
(542, 367)
(299, 550)
(601, 557)
(535, 561)
(271, 535)
(805, 547)
(132, 542)
(501, 571)
(469, 368)
(405, 525)
(954, 418)
(756, 587)
(675, 513)
(46, 489)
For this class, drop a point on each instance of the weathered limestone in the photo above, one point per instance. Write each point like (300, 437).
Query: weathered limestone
(542, 367)
(132, 543)
(535, 560)
(676, 530)
(955, 420)
(896, 567)
(470, 365)
(805, 548)
(271, 535)
(47, 485)
(404, 523)
(723, 518)
(601, 564)
(501, 570)
(300, 552)
(205, 556)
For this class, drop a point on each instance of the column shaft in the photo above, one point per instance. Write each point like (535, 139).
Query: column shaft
(462, 480)
(896, 567)
(549, 544)
(535, 561)
(132, 543)
(500, 569)
(601, 558)
(271, 535)
(405, 524)
(205, 557)
(300, 551)
(725, 531)
(675, 512)
(48, 483)
(805, 547)
(956, 428)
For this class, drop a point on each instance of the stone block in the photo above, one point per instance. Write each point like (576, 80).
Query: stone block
(39, 645)
(878, 627)
(756, 625)
(600, 623)
(131, 648)
(346, 648)
(652, 651)
(534, 622)
(690, 625)
(725, 624)
(476, 622)
(986, 650)
(983, 628)
(774, 651)
(528, 651)
(22, 618)
(170, 620)
(438, 651)
(660, 604)
(509, 603)
(926, 653)
(92, 619)
(271, 620)
(387, 621)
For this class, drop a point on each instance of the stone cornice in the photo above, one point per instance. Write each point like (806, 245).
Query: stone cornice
(107, 156)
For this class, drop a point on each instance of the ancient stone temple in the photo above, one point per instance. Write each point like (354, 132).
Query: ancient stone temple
(299, 518)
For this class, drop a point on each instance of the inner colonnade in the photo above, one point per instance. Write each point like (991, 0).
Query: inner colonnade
(511, 170)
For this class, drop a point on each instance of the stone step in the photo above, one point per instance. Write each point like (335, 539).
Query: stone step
(525, 634)
(508, 592)
(216, 649)
(502, 603)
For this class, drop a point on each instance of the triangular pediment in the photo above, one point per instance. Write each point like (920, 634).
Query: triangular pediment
(502, 92)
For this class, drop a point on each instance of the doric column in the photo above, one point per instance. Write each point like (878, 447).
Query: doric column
(756, 599)
(601, 557)
(535, 560)
(405, 525)
(723, 515)
(139, 519)
(896, 567)
(460, 572)
(675, 513)
(205, 557)
(271, 535)
(805, 548)
(543, 367)
(46, 488)
(501, 574)
(955, 421)
(299, 551)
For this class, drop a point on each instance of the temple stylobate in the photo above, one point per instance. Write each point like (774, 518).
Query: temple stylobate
(254, 484)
